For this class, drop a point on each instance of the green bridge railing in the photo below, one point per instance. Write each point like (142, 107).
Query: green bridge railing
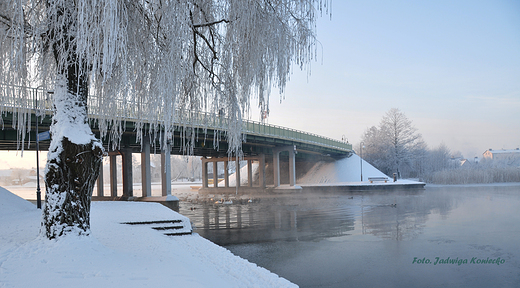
(38, 99)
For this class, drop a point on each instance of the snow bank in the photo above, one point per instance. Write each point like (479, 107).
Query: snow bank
(117, 255)
(344, 170)
(11, 203)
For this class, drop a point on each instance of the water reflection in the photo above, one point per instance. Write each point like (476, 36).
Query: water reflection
(270, 219)
(404, 217)
(364, 240)
(313, 216)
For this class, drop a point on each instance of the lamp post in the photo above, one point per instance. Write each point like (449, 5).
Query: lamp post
(38, 191)
(361, 146)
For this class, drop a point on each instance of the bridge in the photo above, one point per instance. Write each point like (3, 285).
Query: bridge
(260, 140)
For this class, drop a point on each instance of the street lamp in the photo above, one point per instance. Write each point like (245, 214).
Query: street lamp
(38, 191)
(361, 146)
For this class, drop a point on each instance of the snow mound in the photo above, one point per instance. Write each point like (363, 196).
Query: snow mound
(344, 170)
(11, 203)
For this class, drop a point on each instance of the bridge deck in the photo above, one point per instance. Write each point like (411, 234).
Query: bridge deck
(259, 137)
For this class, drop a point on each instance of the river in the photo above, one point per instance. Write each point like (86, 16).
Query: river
(456, 236)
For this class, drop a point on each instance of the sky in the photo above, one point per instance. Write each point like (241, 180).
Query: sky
(452, 67)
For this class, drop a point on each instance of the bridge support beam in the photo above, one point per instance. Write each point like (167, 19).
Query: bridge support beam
(237, 172)
(128, 185)
(215, 174)
(204, 173)
(146, 175)
(250, 173)
(166, 178)
(113, 175)
(226, 174)
(100, 190)
(261, 170)
(292, 164)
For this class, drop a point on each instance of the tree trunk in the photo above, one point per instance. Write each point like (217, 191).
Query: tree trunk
(70, 179)
(74, 157)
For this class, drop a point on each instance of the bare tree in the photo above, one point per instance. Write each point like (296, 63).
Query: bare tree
(376, 149)
(167, 59)
(394, 145)
(401, 136)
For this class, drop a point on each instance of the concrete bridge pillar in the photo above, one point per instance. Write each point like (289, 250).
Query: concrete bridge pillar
(166, 178)
(292, 164)
(215, 174)
(237, 172)
(100, 190)
(204, 172)
(261, 170)
(146, 175)
(113, 175)
(276, 168)
(250, 173)
(226, 173)
(128, 185)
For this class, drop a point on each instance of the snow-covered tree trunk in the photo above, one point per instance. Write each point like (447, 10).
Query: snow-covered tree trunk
(75, 155)
(74, 158)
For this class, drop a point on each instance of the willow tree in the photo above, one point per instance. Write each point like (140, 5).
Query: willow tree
(159, 61)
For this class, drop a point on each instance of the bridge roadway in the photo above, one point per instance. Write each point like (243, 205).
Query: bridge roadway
(260, 139)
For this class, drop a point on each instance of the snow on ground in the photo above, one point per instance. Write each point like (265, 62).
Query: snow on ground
(341, 171)
(115, 254)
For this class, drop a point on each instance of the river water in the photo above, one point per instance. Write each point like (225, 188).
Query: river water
(456, 236)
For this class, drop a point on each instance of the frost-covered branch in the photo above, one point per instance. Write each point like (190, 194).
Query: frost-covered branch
(210, 23)
(162, 56)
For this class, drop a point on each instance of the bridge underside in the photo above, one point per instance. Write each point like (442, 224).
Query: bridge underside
(210, 144)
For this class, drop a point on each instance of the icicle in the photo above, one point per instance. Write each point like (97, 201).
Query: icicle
(161, 63)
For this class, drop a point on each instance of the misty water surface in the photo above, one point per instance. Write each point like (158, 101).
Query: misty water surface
(440, 236)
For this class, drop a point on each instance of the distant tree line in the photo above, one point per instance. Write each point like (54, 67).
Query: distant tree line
(485, 171)
(395, 146)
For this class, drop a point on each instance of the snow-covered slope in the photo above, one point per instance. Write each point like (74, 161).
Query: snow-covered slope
(344, 170)
(116, 254)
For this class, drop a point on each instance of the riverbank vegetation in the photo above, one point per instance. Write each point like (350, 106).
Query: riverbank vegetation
(395, 146)
(487, 172)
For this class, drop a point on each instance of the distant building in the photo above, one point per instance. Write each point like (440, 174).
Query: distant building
(503, 154)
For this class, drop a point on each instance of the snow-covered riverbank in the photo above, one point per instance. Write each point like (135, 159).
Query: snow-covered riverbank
(115, 254)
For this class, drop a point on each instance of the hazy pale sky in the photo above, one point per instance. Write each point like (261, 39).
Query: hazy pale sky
(453, 67)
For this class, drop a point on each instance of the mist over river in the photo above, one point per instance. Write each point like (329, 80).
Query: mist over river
(456, 236)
